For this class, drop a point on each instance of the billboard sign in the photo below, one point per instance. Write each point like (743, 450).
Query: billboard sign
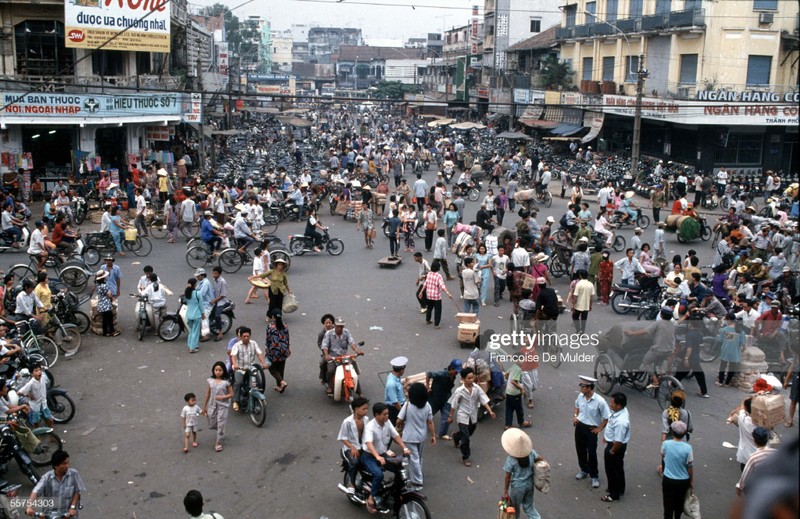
(19, 104)
(138, 25)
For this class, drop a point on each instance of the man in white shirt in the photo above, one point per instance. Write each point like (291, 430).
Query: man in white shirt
(377, 434)
(141, 206)
(105, 220)
(521, 258)
(188, 212)
(722, 181)
(464, 405)
(242, 232)
(37, 245)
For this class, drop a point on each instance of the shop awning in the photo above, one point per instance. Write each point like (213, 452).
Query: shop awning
(566, 129)
(595, 125)
(514, 136)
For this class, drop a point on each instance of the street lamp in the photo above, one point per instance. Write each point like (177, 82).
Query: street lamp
(641, 75)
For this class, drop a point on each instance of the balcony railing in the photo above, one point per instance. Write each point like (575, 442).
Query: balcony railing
(691, 18)
(92, 84)
(565, 33)
(583, 31)
(602, 29)
(658, 22)
(628, 25)
(654, 22)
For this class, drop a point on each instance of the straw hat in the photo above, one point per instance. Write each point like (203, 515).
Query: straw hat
(181, 162)
(629, 194)
(100, 275)
(162, 173)
(516, 443)
(541, 257)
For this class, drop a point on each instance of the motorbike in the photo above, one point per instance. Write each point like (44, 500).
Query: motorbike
(10, 449)
(80, 208)
(345, 379)
(8, 491)
(7, 240)
(636, 297)
(641, 220)
(61, 405)
(251, 397)
(172, 325)
(144, 314)
(300, 244)
(67, 336)
(67, 308)
(471, 190)
(398, 496)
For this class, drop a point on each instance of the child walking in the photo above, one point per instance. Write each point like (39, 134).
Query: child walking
(260, 264)
(189, 415)
(220, 393)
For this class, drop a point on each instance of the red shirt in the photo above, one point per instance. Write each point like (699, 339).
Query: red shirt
(58, 234)
(771, 322)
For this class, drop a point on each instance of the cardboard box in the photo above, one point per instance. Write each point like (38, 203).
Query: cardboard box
(462, 317)
(468, 332)
(529, 282)
(767, 410)
(412, 379)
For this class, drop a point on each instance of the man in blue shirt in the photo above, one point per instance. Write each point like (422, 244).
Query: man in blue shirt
(617, 435)
(114, 281)
(211, 236)
(393, 394)
(589, 418)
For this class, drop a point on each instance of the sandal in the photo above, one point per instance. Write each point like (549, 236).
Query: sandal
(788, 424)
(194, 444)
(718, 384)
(530, 405)
(371, 507)
(185, 450)
(218, 448)
(526, 425)
(282, 387)
(466, 463)
(607, 499)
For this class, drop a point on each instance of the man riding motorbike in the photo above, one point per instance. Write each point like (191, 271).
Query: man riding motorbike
(312, 224)
(335, 344)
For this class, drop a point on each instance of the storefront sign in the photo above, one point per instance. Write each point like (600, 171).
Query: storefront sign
(571, 98)
(483, 91)
(748, 96)
(537, 97)
(222, 58)
(159, 133)
(89, 24)
(19, 104)
(522, 95)
(195, 111)
(705, 113)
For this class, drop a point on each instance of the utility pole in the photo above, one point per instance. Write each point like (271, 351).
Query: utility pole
(202, 108)
(230, 96)
(641, 74)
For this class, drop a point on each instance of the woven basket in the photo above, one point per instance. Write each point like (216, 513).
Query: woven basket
(96, 217)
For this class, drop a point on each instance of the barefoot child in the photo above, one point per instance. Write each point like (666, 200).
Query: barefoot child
(189, 415)
(222, 392)
(261, 262)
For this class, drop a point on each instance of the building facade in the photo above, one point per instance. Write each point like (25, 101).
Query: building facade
(721, 77)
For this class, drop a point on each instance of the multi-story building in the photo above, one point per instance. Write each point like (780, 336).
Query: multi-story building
(360, 67)
(324, 42)
(721, 81)
(507, 22)
(255, 49)
(282, 51)
(65, 103)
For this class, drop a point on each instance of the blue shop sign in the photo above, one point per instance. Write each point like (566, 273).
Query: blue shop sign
(22, 104)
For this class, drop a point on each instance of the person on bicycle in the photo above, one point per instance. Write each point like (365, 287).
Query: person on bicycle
(242, 233)
(38, 247)
(28, 303)
(210, 236)
(662, 334)
(547, 176)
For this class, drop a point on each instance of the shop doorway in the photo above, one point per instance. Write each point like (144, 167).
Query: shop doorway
(50, 148)
(109, 143)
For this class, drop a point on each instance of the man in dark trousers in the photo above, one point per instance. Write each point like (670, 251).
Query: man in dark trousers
(617, 434)
(589, 417)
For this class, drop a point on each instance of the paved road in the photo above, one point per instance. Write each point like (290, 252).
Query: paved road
(126, 438)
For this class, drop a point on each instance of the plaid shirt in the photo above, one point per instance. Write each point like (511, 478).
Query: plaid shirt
(433, 286)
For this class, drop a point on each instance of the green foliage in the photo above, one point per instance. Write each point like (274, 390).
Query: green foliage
(232, 28)
(555, 74)
(394, 90)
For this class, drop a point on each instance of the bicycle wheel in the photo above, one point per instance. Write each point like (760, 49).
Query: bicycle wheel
(68, 341)
(143, 246)
(46, 346)
(158, 229)
(548, 199)
(230, 261)
(619, 243)
(75, 278)
(62, 408)
(716, 239)
(21, 272)
(258, 411)
(474, 194)
(49, 442)
(666, 385)
(604, 372)
(91, 256)
(190, 229)
(270, 224)
(643, 221)
(557, 267)
(197, 257)
(280, 253)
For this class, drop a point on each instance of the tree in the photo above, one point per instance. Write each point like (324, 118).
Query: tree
(555, 74)
(232, 29)
(393, 90)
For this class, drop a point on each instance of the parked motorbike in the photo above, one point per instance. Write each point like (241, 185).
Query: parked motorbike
(67, 308)
(172, 325)
(399, 498)
(626, 298)
(10, 449)
(300, 244)
(8, 491)
(67, 336)
(144, 314)
(7, 240)
(80, 208)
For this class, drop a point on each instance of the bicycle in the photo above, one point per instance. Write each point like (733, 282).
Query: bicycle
(34, 343)
(232, 259)
(72, 272)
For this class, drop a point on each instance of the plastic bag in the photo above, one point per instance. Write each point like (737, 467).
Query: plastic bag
(290, 303)
(691, 505)
(541, 476)
(205, 327)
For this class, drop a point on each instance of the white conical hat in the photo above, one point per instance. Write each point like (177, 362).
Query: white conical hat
(516, 443)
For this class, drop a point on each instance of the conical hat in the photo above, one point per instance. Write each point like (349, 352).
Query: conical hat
(516, 443)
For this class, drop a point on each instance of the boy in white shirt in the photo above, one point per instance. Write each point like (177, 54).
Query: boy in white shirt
(189, 415)
(36, 391)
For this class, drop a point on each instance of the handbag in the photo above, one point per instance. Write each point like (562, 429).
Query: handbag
(373, 233)
(541, 476)
(691, 505)
(290, 303)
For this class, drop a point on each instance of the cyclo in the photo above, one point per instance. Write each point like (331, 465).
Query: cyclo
(619, 363)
